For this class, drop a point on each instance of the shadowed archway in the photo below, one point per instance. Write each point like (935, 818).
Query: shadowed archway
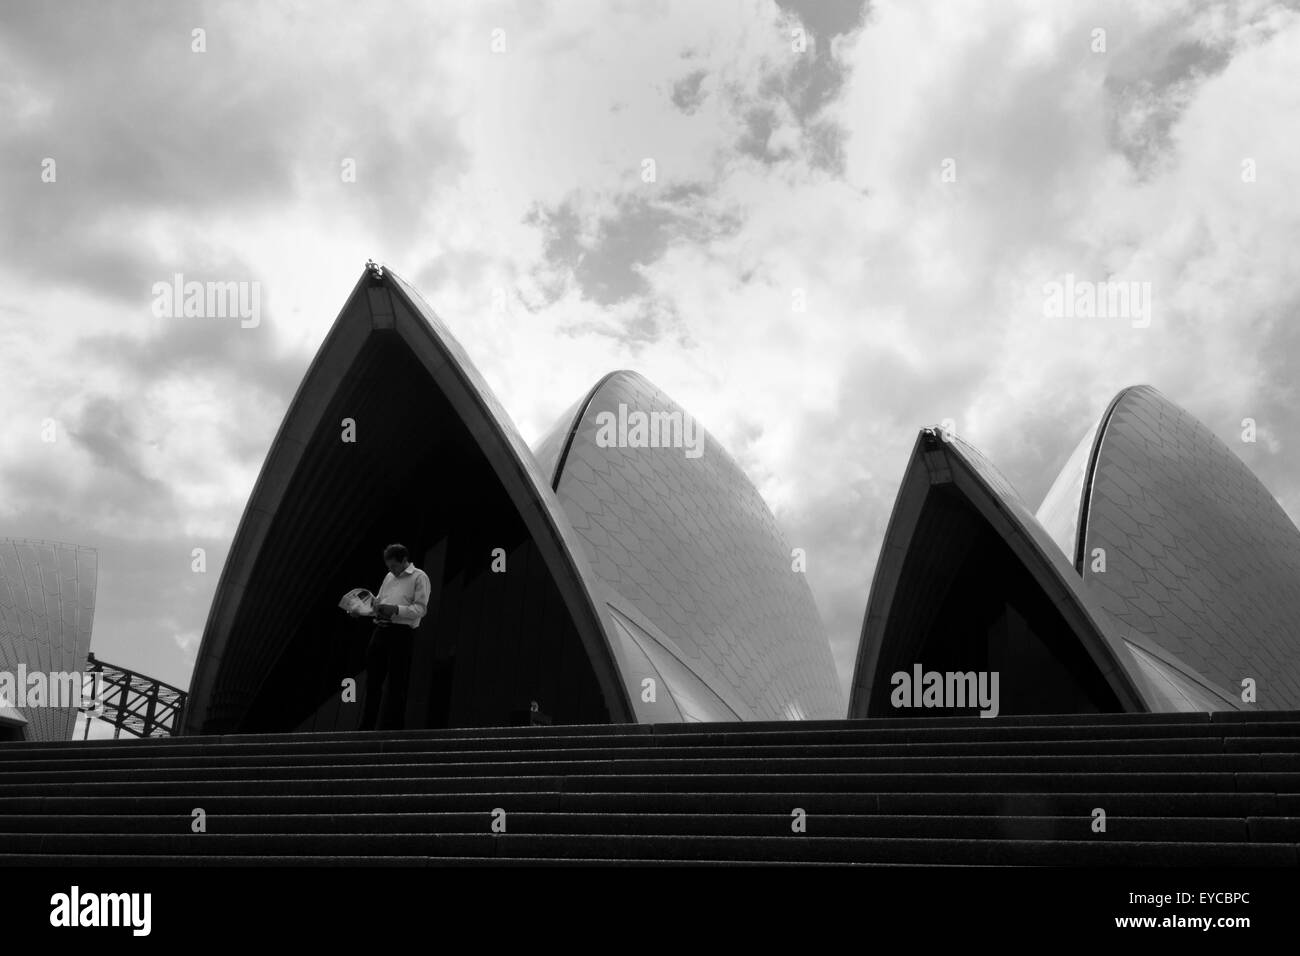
(436, 464)
(968, 580)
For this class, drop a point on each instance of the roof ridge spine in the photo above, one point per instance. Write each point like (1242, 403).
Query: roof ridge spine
(1081, 527)
(573, 426)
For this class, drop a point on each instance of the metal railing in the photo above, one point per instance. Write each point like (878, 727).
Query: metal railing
(136, 703)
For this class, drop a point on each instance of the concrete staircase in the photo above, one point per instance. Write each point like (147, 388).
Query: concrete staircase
(1199, 790)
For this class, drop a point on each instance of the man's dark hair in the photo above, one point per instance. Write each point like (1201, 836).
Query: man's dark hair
(396, 552)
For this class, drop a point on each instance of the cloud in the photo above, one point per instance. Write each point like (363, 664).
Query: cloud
(606, 265)
(247, 124)
(107, 432)
(687, 92)
(802, 274)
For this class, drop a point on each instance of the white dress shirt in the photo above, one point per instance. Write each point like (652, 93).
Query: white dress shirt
(409, 591)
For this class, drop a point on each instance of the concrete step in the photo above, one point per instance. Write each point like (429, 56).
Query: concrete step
(793, 733)
(748, 765)
(1225, 804)
(792, 783)
(800, 848)
(971, 826)
(1195, 790)
(247, 756)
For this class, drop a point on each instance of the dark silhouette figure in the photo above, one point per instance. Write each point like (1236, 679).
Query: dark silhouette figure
(401, 601)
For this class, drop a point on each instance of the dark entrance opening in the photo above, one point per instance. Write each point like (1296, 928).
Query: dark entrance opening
(492, 643)
(965, 602)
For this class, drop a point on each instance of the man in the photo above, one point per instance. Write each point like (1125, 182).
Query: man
(402, 600)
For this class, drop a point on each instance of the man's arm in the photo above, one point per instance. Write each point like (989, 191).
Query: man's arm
(419, 605)
(380, 617)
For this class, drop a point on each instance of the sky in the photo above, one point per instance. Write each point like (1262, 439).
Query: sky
(818, 226)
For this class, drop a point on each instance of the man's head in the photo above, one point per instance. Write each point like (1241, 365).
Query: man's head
(396, 557)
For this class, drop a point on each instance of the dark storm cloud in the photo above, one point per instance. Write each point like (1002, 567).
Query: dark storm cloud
(1149, 86)
(800, 87)
(206, 348)
(132, 122)
(806, 85)
(686, 91)
(139, 125)
(608, 269)
(813, 81)
(759, 123)
(827, 18)
(637, 235)
(105, 429)
(46, 496)
(639, 231)
(824, 142)
(561, 228)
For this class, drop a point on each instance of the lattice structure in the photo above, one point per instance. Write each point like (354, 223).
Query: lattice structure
(136, 703)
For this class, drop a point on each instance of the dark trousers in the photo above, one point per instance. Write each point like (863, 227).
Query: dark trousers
(388, 662)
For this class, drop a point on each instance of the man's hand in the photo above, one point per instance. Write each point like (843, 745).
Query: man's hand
(386, 612)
